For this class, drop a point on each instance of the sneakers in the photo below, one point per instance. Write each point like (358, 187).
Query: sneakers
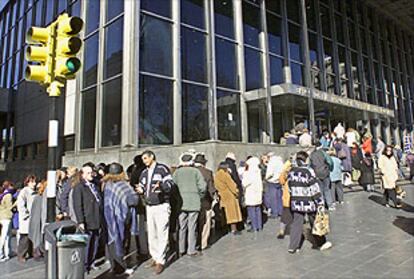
(150, 264)
(327, 245)
(127, 272)
(158, 269)
(281, 234)
(4, 259)
(332, 208)
(293, 251)
(387, 205)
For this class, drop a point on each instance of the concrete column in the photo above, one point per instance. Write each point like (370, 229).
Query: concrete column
(288, 122)
(397, 137)
(177, 95)
(129, 130)
(388, 138)
(376, 128)
(238, 15)
(287, 74)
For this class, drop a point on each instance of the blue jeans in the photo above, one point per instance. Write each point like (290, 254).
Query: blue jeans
(274, 191)
(325, 186)
(255, 215)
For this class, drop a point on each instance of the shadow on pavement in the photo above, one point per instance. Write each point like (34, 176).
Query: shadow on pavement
(407, 207)
(378, 199)
(405, 224)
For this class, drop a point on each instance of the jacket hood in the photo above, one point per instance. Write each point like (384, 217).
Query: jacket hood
(253, 163)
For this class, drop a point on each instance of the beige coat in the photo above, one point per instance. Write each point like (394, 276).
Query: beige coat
(228, 196)
(252, 183)
(389, 170)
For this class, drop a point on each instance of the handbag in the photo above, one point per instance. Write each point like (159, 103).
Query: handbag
(356, 174)
(321, 224)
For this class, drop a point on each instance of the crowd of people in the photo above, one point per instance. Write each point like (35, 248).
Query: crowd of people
(180, 210)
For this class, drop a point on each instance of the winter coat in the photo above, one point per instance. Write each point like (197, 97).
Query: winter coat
(389, 170)
(252, 183)
(305, 140)
(346, 162)
(367, 172)
(37, 220)
(6, 205)
(283, 179)
(234, 174)
(192, 186)
(274, 167)
(228, 196)
(207, 200)
(24, 205)
(357, 159)
(292, 139)
(336, 174)
(88, 209)
(319, 164)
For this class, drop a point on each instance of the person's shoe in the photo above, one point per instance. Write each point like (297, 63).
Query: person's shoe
(293, 251)
(150, 264)
(387, 205)
(332, 208)
(94, 267)
(327, 245)
(398, 205)
(158, 269)
(21, 259)
(281, 234)
(4, 259)
(236, 233)
(196, 254)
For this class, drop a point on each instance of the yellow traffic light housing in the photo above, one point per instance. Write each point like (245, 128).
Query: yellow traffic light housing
(68, 46)
(38, 51)
(53, 51)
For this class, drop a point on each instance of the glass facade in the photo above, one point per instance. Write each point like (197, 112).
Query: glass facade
(194, 51)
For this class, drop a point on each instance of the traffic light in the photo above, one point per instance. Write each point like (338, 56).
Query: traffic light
(68, 44)
(38, 51)
(53, 49)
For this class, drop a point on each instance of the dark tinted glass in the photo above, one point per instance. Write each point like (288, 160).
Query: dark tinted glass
(252, 62)
(39, 13)
(339, 29)
(313, 49)
(155, 111)
(228, 113)
(192, 12)
(223, 18)
(326, 24)
(193, 55)
(61, 6)
(88, 119)
(310, 14)
(195, 113)
(296, 73)
(226, 65)
(293, 10)
(114, 8)
(294, 43)
(342, 62)
(113, 48)
(92, 17)
(161, 7)
(251, 24)
(90, 62)
(76, 7)
(327, 46)
(273, 6)
(111, 112)
(276, 70)
(155, 46)
(49, 11)
(274, 26)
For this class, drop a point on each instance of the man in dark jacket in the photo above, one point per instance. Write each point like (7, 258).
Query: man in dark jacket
(322, 164)
(87, 203)
(206, 212)
(155, 184)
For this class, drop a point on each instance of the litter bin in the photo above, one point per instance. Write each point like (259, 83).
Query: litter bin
(67, 255)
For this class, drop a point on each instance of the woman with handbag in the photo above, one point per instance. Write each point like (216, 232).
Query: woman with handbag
(389, 169)
(305, 199)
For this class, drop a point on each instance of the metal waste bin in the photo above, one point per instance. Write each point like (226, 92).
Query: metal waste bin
(67, 251)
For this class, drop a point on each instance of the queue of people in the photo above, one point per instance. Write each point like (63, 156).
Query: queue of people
(178, 209)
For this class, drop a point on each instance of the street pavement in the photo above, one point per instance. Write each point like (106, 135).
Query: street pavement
(369, 241)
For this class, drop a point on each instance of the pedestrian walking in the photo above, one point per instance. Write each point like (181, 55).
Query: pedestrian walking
(6, 204)
(37, 220)
(274, 188)
(287, 217)
(155, 185)
(253, 192)
(306, 198)
(367, 178)
(335, 175)
(410, 163)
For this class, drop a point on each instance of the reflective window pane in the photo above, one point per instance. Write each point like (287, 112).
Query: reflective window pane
(313, 49)
(76, 8)
(226, 64)
(113, 48)
(193, 55)
(155, 111)
(192, 12)
(223, 18)
(114, 8)
(62, 6)
(295, 43)
(252, 61)
(273, 6)
(274, 26)
(297, 77)
(90, 62)
(339, 29)
(276, 70)
(326, 25)
(251, 24)
(310, 14)
(161, 7)
(92, 17)
(49, 11)
(39, 13)
(195, 113)
(228, 113)
(293, 9)
(155, 46)
(328, 55)
(88, 119)
(111, 112)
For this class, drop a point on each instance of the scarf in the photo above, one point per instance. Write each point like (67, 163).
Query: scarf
(93, 190)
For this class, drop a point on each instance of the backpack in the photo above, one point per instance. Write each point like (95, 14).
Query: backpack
(328, 160)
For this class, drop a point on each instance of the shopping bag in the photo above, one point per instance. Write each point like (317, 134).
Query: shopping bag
(321, 223)
(356, 174)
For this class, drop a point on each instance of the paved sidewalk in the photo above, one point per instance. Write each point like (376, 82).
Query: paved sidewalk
(370, 241)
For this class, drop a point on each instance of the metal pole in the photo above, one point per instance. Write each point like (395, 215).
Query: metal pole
(312, 108)
(51, 178)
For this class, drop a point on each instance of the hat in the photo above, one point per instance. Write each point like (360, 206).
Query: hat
(115, 168)
(231, 155)
(186, 158)
(200, 158)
